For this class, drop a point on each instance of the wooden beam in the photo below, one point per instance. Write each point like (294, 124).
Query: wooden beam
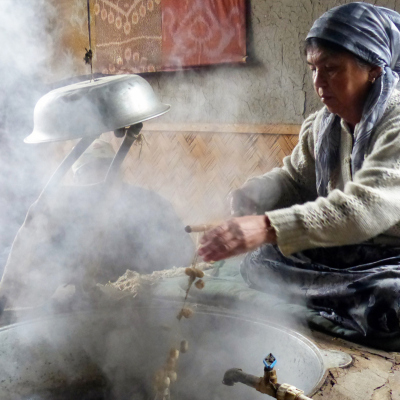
(265, 129)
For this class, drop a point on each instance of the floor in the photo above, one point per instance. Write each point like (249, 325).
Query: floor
(373, 375)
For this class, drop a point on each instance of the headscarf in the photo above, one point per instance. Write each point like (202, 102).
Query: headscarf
(373, 34)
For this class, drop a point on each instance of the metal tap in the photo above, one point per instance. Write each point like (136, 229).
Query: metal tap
(266, 384)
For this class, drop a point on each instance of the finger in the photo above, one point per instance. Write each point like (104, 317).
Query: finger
(222, 242)
(231, 240)
(212, 233)
(218, 237)
(216, 245)
(216, 254)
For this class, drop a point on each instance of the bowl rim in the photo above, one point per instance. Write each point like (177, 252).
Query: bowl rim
(37, 137)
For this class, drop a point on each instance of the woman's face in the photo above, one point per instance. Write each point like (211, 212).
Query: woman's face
(340, 82)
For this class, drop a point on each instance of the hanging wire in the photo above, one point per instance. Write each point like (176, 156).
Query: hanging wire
(89, 54)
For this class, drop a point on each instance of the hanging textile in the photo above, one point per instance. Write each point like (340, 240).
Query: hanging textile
(136, 36)
(127, 35)
(202, 32)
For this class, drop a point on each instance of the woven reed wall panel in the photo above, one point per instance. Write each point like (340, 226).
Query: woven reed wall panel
(196, 171)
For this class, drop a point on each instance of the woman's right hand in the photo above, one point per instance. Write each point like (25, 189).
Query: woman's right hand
(236, 236)
(244, 201)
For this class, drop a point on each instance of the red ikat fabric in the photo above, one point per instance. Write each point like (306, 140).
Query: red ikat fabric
(136, 36)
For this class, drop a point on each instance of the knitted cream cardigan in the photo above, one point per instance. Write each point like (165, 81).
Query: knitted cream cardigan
(359, 208)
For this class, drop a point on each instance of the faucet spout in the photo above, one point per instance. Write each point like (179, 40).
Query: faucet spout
(235, 375)
(263, 385)
(267, 384)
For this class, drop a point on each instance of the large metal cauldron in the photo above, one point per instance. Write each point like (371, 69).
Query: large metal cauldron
(113, 355)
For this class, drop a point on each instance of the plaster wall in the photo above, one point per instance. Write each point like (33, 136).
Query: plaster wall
(275, 84)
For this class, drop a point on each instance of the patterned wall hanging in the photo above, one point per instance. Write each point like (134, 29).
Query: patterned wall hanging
(134, 36)
(128, 36)
(202, 32)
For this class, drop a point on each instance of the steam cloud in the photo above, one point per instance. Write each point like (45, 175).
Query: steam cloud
(25, 48)
(29, 38)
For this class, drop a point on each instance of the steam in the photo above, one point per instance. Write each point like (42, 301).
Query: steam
(131, 343)
(26, 46)
(50, 248)
(78, 228)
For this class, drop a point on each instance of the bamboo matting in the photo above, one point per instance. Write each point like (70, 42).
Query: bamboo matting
(197, 170)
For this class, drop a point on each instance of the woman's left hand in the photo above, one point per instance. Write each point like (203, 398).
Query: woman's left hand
(236, 236)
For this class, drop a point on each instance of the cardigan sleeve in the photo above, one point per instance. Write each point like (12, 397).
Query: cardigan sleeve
(294, 183)
(368, 206)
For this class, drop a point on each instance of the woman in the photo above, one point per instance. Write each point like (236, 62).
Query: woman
(329, 220)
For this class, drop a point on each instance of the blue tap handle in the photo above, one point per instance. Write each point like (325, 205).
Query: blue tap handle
(269, 362)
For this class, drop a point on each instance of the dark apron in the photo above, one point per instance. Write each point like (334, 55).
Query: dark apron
(356, 286)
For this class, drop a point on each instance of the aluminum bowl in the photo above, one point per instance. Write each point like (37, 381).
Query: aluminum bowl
(91, 108)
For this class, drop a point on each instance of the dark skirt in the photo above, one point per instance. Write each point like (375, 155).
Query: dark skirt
(357, 287)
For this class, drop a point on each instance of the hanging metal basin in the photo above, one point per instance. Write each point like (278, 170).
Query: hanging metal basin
(91, 108)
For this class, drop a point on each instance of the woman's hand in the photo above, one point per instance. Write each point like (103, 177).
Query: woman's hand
(236, 236)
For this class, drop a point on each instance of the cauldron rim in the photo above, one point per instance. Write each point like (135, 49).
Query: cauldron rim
(200, 309)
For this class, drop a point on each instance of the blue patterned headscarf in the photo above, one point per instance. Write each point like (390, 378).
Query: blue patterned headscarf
(373, 34)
